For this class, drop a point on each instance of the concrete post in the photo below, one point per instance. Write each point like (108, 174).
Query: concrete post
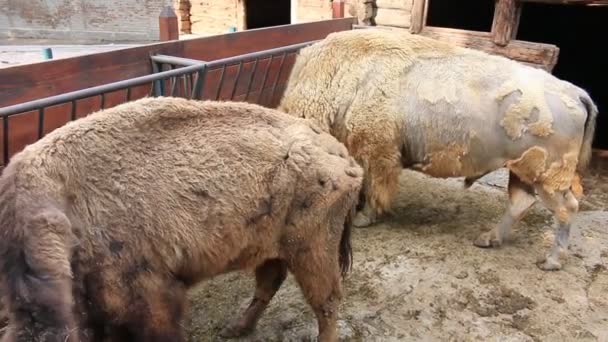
(337, 9)
(167, 24)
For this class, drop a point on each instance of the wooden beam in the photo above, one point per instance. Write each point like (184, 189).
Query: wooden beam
(418, 16)
(506, 21)
(395, 4)
(543, 55)
(393, 17)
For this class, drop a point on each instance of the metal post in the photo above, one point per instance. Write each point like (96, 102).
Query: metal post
(47, 53)
(167, 24)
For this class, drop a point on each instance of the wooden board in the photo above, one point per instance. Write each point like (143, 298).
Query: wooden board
(393, 17)
(543, 55)
(506, 21)
(394, 4)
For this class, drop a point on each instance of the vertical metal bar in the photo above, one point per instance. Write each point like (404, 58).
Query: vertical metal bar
(40, 122)
(173, 85)
(236, 80)
(5, 139)
(158, 84)
(253, 69)
(274, 85)
(219, 86)
(200, 82)
(173, 81)
(73, 113)
(129, 94)
(103, 100)
(185, 89)
(264, 80)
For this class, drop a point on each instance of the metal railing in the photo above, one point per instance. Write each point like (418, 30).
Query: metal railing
(190, 73)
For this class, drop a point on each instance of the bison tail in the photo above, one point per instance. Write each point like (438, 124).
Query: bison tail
(346, 251)
(37, 277)
(585, 152)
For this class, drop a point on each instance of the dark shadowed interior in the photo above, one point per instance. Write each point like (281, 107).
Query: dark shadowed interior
(265, 13)
(475, 15)
(579, 32)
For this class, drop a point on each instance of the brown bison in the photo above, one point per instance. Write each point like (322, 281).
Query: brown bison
(107, 221)
(398, 100)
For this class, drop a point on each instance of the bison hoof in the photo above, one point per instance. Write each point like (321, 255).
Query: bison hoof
(234, 330)
(361, 220)
(487, 240)
(549, 264)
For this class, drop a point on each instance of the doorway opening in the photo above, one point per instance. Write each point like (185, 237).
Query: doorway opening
(473, 15)
(579, 32)
(266, 13)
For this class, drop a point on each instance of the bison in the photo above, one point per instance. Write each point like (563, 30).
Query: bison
(107, 221)
(399, 100)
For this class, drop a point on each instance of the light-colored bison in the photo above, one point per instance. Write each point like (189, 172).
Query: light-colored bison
(107, 221)
(401, 100)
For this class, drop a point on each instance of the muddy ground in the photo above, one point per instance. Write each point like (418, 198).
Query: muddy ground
(418, 277)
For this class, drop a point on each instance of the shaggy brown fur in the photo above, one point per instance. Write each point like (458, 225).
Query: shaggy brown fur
(401, 100)
(107, 221)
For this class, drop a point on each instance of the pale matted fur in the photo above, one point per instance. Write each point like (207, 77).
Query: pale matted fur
(106, 221)
(401, 100)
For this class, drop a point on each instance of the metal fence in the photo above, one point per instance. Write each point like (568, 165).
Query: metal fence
(174, 76)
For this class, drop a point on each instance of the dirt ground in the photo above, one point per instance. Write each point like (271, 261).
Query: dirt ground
(418, 277)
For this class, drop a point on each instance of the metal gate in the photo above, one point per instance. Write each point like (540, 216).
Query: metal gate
(251, 77)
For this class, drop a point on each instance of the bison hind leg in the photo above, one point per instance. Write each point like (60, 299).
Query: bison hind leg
(564, 206)
(319, 279)
(269, 276)
(521, 198)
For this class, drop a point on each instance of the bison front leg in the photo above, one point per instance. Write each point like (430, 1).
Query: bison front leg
(521, 198)
(564, 206)
(269, 277)
(381, 160)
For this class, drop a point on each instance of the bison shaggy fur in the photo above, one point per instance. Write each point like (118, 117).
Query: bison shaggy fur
(399, 100)
(108, 220)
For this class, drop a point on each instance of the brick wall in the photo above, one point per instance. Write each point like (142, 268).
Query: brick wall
(182, 10)
(215, 16)
(313, 10)
(95, 20)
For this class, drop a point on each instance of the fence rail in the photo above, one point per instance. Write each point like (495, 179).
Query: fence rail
(257, 72)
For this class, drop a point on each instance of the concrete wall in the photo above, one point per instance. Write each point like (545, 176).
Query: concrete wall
(94, 20)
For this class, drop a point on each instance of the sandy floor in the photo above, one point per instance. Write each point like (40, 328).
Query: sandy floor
(417, 276)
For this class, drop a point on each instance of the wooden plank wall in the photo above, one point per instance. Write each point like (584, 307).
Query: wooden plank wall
(28, 82)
